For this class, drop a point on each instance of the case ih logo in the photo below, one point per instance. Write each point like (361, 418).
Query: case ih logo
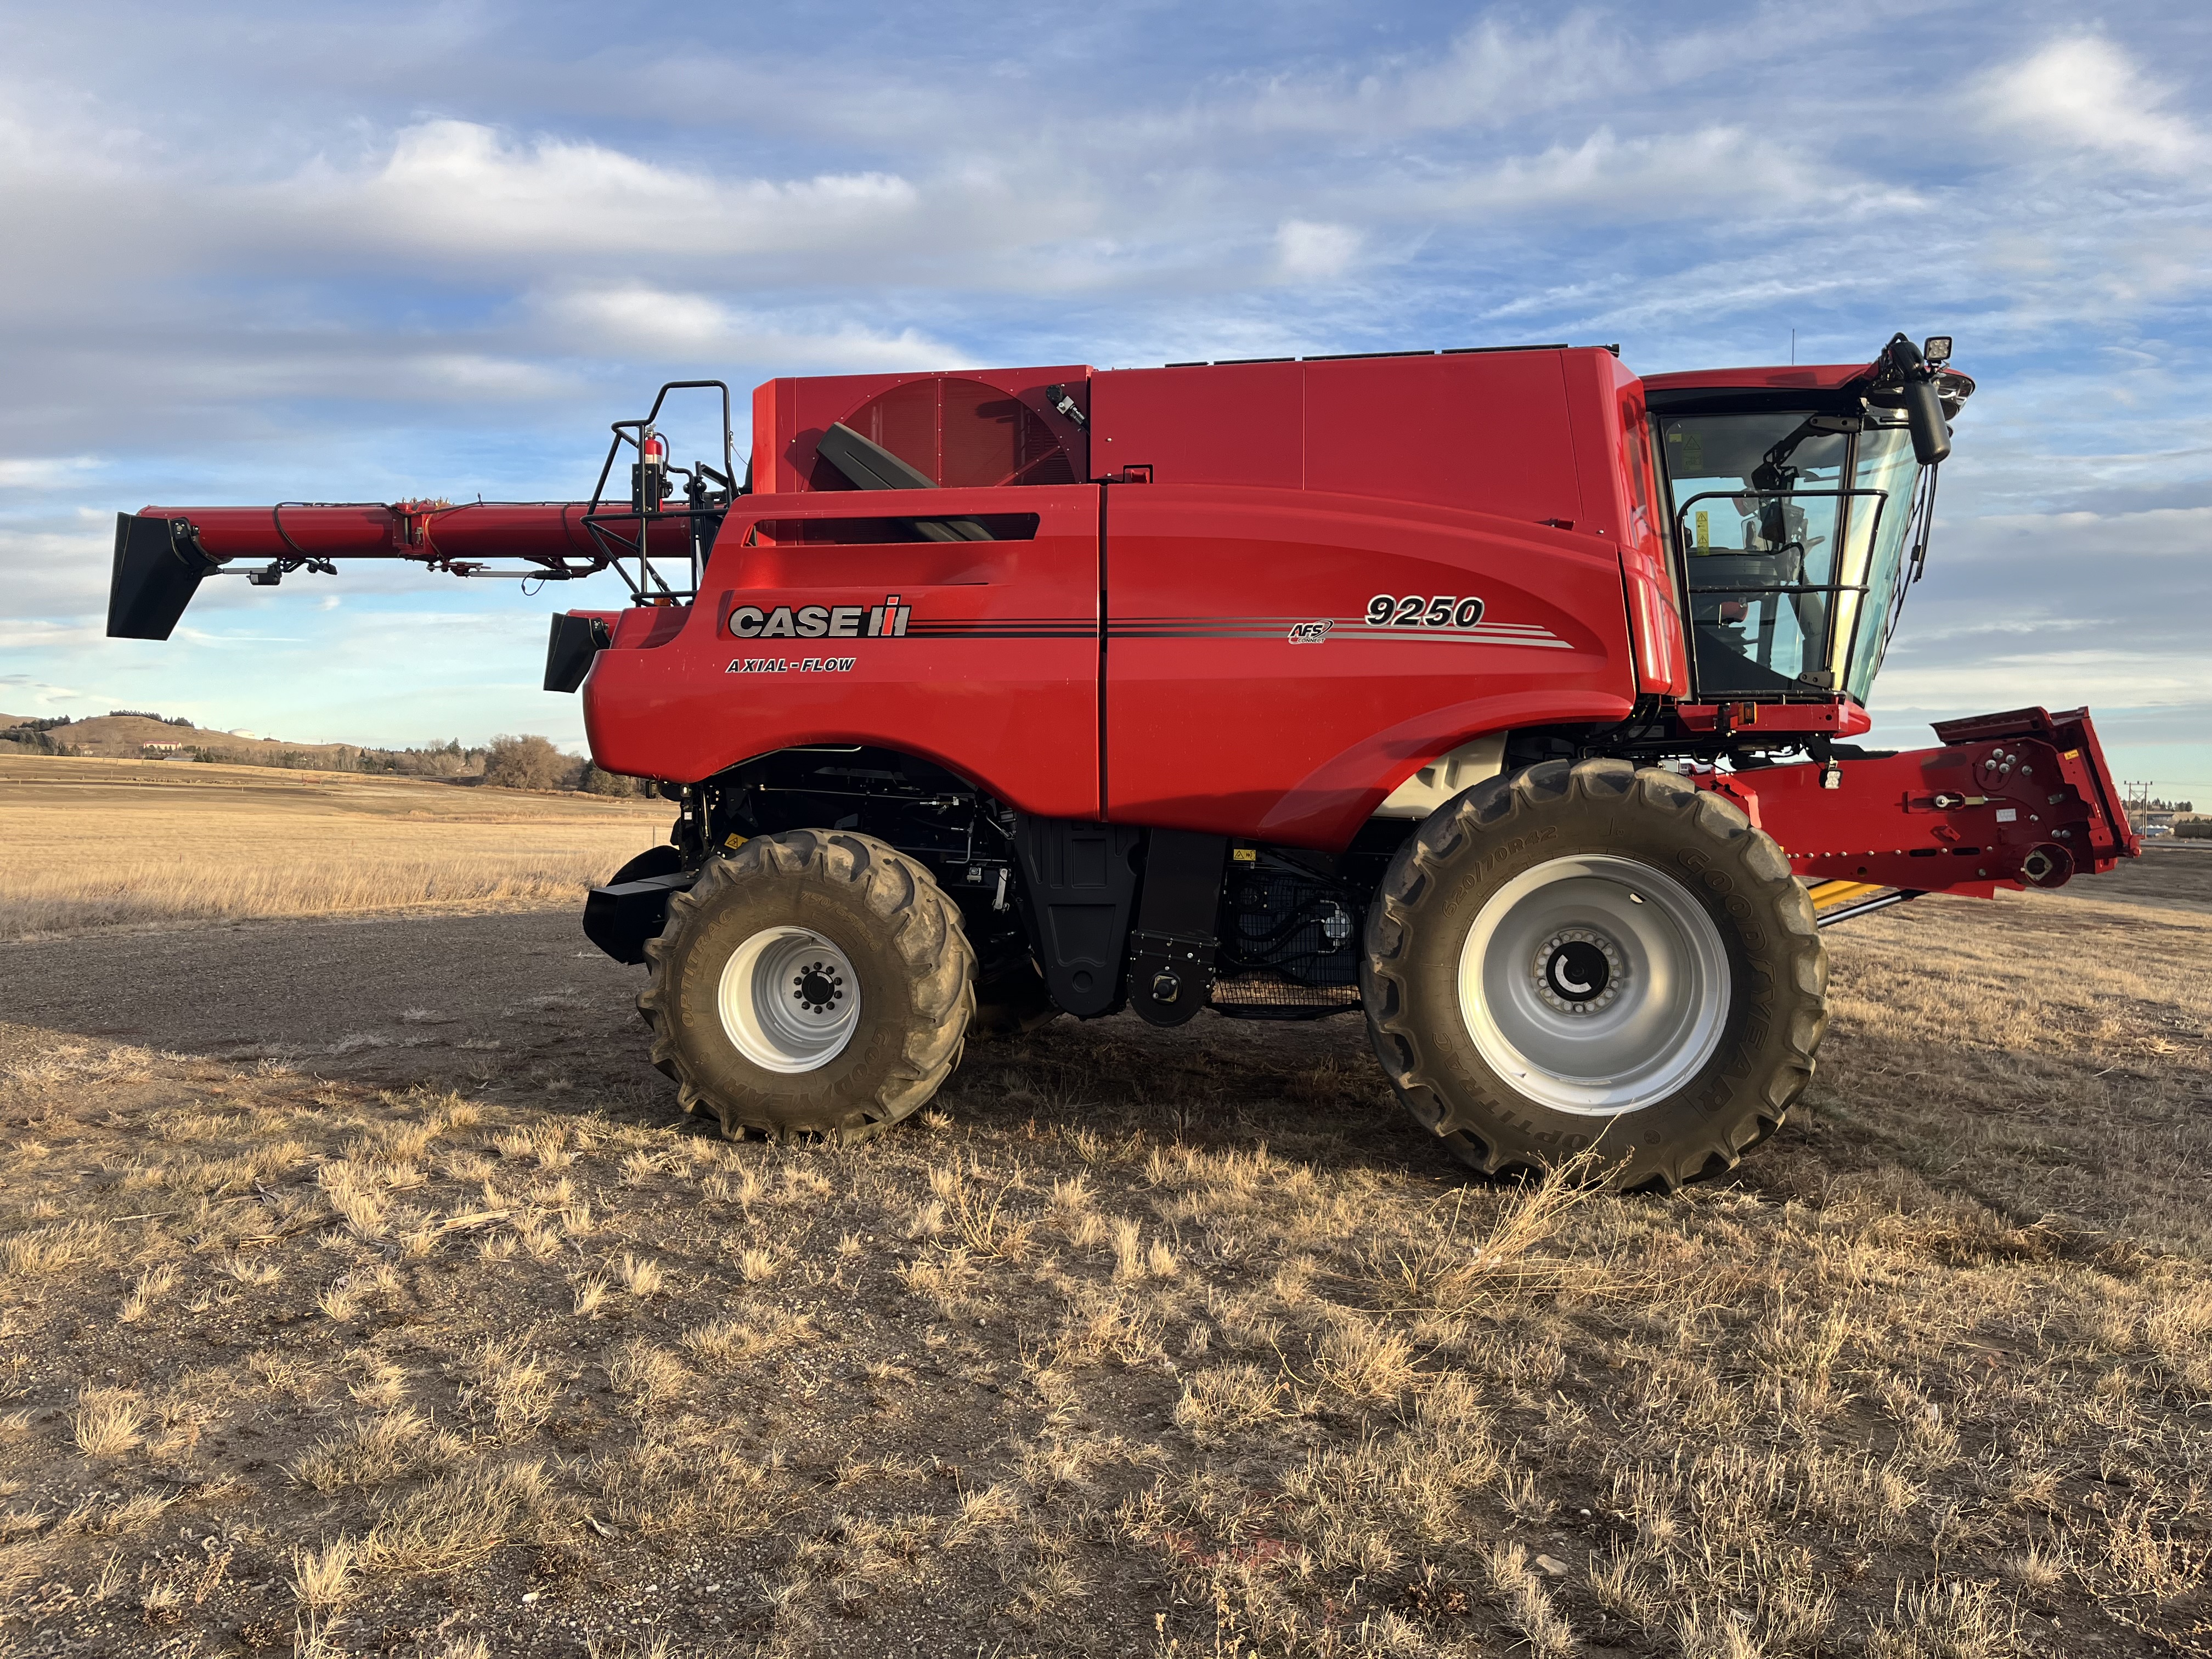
(819, 622)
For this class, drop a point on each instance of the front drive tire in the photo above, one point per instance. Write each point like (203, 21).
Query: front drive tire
(1590, 954)
(815, 983)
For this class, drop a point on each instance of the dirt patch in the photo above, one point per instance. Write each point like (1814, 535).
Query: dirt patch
(359, 1291)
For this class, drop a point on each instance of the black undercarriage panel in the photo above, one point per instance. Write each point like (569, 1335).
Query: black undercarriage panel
(1290, 921)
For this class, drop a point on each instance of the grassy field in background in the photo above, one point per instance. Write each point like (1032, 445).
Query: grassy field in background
(1168, 1344)
(94, 843)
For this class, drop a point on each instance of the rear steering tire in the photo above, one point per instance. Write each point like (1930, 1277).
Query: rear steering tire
(1591, 955)
(815, 983)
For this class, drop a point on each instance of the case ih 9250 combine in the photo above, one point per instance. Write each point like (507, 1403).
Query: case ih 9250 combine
(1501, 694)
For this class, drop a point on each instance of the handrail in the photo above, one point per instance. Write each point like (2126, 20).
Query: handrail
(597, 519)
(1838, 672)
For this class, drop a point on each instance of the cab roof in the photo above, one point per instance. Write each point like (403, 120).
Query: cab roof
(1818, 377)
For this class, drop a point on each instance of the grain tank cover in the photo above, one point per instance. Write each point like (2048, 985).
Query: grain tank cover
(1488, 431)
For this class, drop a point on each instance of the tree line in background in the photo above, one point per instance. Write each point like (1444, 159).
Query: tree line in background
(34, 740)
(527, 762)
(532, 763)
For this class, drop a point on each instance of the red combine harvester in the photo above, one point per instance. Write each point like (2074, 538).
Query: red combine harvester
(1503, 695)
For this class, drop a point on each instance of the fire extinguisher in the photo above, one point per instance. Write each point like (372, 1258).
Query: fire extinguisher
(648, 479)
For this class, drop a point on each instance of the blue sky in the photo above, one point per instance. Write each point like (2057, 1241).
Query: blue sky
(338, 252)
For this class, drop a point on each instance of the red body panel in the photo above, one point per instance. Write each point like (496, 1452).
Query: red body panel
(1625, 498)
(996, 676)
(1840, 719)
(1819, 377)
(1972, 815)
(1283, 494)
(1555, 437)
(1489, 432)
(1248, 693)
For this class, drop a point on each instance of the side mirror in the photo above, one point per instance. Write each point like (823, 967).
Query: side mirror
(1924, 414)
(1924, 410)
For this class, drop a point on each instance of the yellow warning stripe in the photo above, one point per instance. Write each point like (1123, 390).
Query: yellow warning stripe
(1829, 894)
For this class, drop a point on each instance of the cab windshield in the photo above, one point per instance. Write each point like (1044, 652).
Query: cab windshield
(1795, 529)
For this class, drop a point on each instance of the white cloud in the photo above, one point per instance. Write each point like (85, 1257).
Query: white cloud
(474, 375)
(33, 634)
(667, 325)
(1726, 176)
(1486, 75)
(27, 694)
(1623, 302)
(2082, 92)
(46, 472)
(1306, 251)
(461, 187)
(2092, 545)
(2117, 679)
(47, 575)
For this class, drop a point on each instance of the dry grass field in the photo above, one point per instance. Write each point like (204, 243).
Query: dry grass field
(109, 842)
(425, 1328)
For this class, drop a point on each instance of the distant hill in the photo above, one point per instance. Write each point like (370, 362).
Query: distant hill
(131, 735)
(515, 763)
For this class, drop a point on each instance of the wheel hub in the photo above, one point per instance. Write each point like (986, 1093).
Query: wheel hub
(789, 999)
(1579, 970)
(819, 988)
(1594, 984)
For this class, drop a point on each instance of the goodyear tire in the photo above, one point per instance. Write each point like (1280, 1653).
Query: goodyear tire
(815, 983)
(1591, 955)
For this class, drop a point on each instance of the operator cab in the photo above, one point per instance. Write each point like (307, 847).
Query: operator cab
(1801, 510)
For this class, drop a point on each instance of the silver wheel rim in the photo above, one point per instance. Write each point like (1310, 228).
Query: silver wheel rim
(1594, 984)
(789, 999)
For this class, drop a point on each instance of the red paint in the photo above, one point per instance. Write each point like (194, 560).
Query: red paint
(1215, 719)
(1824, 377)
(1608, 399)
(435, 533)
(1969, 813)
(1488, 432)
(997, 676)
(1842, 718)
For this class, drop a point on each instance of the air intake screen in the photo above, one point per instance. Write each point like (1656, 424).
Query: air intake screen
(964, 434)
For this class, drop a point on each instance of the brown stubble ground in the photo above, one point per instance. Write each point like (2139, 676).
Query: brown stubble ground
(1146, 1343)
(138, 844)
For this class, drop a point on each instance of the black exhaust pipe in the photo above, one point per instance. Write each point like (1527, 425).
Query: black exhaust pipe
(158, 567)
